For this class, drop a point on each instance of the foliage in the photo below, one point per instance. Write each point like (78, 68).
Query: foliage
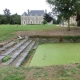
(6, 58)
(31, 51)
(59, 19)
(47, 17)
(78, 23)
(44, 22)
(78, 66)
(74, 38)
(7, 14)
(66, 8)
(16, 19)
(7, 18)
(54, 21)
(64, 73)
(13, 77)
(78, 17)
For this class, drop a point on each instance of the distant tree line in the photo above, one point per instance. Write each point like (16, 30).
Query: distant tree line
(7, 18)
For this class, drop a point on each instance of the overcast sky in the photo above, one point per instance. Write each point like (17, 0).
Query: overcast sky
(20, 6)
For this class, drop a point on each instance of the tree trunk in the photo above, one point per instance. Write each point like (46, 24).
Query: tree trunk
(68, 24)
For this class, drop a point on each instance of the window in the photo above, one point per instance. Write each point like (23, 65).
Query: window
(31, 22)
(24, 22)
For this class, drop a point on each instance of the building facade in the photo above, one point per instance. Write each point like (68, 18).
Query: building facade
(33, 17)
(72, 21)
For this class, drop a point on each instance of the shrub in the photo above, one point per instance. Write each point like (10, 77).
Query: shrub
(6, 58)
(44, 22)
(74, 38)
(78, 23)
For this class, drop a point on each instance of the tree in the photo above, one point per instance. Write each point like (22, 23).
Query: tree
(44, 22)
(65, 8)
(54, 21)
(7, 14)
(78, 13)
(3, 19)
(47, 17)
(16, 18)
(78, 19)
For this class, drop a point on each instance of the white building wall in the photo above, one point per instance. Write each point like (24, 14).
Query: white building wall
(33, 19)
(73, 20)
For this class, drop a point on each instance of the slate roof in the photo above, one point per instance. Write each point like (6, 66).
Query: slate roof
(24, 14)
(34, 13)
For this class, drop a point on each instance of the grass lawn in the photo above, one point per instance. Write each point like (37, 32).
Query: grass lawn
(6, 31)
(40, 73)
(56, 54)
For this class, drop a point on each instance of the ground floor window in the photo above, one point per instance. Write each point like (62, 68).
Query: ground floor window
(24, 22)
(31, 22)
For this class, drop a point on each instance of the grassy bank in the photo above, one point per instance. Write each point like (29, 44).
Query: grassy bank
(6, 31)
(69, 72)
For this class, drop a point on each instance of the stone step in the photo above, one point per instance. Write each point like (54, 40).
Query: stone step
(18, 51)
(17, 62)
(13, 48)
(26, 37)
(1, 57)
(7, 45)
(35, 45)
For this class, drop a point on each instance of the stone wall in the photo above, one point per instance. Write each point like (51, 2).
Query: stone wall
(57, 40)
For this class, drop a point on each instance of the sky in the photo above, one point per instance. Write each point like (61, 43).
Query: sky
(20, 6)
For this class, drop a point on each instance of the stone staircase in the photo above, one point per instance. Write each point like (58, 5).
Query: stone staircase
(18, 52)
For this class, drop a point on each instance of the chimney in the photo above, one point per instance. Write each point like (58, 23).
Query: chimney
(45, 11)
(28, 11)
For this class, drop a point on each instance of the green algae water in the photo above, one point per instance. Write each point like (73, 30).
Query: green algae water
(56, 54)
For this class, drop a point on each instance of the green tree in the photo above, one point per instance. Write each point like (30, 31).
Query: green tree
(65, 8)
(44, 22)
(16, 18)
(48, 18)
(7, 14)
(54, 21)
(3, 19)
(78, 13)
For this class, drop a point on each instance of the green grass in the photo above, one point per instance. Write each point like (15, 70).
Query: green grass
(56, 54)
(6, 58)
(6, 31)
(26, 27)
(40, 73)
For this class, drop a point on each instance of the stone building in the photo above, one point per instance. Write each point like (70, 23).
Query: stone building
(72, 21)
(32, 17)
